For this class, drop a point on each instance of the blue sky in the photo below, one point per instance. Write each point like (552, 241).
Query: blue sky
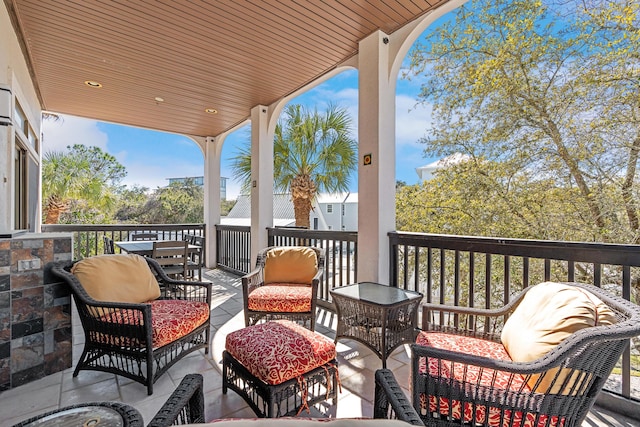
(147, 165)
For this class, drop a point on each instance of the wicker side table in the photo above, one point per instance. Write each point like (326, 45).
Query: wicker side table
(379, 316)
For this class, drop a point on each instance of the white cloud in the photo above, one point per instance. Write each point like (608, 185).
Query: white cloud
(233, 189)
(412, 120)
(70, 130)
(153, 174)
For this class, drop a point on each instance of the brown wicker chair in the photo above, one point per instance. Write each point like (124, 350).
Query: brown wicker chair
(499, 393)
(119, 336)
(256, 279)
(184, 406)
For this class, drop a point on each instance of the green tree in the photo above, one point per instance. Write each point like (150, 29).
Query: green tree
(132, 204)
(313, 153)
(83, 177)
(544, 98)
(178, 203)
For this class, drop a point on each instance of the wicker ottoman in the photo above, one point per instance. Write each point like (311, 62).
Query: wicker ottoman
(280, 368)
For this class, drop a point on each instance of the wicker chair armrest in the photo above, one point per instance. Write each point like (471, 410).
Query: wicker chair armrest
(549, 361)
(390, 402)
(318, 275)
(252, 281)
(184, 406)
(456, 320)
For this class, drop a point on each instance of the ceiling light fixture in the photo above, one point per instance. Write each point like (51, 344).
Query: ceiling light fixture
(159, 99)
(92, 83)
(211, 111)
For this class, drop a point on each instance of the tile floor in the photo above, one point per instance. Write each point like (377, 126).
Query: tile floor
(357, 365)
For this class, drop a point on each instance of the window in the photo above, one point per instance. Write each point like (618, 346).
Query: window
(329, 208)
(26, 172)
(23, 125)
(20, 179)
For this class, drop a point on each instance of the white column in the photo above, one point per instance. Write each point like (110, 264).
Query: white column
(212, 158)
(376, 180)
(261, 179)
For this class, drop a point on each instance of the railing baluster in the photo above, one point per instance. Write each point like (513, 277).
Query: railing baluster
(507, 279)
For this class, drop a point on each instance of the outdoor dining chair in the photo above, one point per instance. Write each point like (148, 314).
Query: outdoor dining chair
(144, 236)
(172, 255)
(109, 247)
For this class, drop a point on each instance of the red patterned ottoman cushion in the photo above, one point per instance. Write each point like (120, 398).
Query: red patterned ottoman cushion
(476, 376)
(170, 320)
(279, 350)
(281, 297)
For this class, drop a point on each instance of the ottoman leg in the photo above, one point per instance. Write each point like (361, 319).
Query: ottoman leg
(225, 369)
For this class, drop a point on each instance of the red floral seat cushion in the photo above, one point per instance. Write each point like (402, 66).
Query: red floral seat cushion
(476, 376)
(170, 320)
(279, 350)
(281, 297)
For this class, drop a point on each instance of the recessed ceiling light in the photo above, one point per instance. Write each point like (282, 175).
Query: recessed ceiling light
(92, 83)
(211, 110)
(159, 99)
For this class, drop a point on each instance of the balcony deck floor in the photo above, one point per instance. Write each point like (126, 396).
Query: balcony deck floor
(357, 365)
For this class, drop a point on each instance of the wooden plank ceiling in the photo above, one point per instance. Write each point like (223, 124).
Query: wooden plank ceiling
(227, 55)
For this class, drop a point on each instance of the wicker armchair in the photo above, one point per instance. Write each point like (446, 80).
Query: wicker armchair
(274, 304)
(138, 340)
(184, 406)
(466, 388)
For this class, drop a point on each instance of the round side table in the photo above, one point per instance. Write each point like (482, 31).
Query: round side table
(94, 414)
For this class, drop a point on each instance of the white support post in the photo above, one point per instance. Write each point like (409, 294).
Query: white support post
(261, 179)
(376, 168)
(212, 158)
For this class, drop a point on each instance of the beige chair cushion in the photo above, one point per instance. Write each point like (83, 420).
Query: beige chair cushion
(290, 264)
(547, 315)
(117, 278)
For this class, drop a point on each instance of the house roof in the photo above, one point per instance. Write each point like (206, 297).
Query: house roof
(225, 55)
(282, 207)
(453, 159)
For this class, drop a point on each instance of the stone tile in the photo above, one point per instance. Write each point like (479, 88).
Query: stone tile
(28, 403)
(5, 282)
(27, 279)
(223, 405)
(96, 392)
(359, 382)
(350, 405)
(150, 405)
(62, 246)
(197, 362)
(133, 392)
(5, 257)
(84, 379)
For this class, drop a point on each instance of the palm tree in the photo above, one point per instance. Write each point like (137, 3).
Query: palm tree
(313, 153)
(85, 174)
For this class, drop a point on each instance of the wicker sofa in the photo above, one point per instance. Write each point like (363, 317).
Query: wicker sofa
(464, 372)
(137, 321)
(284, 285)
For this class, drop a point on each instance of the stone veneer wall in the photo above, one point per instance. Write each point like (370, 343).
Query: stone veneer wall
(35, 308)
